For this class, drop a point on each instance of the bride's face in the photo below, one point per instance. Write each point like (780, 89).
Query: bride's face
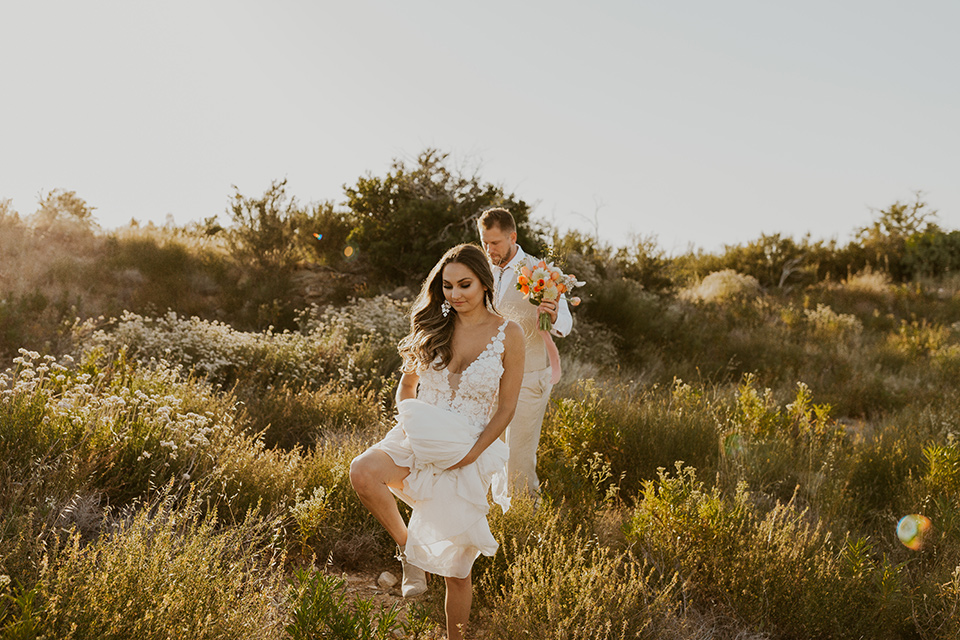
(462, 288)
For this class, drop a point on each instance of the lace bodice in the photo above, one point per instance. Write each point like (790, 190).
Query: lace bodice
(473, 393)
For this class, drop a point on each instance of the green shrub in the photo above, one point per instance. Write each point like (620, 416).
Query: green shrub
(775, 569)
(776, 449)
(151, 270)
(321, 609)
(19, 612)
(932, 253)
(404, 221)
(631, 317)
(603, 437)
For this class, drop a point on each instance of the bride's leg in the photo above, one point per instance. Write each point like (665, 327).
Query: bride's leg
(370, 474)
(457, 606)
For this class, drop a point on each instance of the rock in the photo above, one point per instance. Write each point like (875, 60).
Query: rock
(387, 580)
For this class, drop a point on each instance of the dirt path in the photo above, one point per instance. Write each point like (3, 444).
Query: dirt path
(364, 585)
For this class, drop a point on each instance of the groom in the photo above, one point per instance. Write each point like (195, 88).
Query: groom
(498, 235)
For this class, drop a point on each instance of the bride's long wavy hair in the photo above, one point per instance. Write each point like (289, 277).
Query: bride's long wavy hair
(431, 333)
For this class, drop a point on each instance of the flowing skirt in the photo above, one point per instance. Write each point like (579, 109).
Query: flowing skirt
(448, 527)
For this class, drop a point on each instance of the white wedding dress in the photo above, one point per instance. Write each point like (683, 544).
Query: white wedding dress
(448, 527)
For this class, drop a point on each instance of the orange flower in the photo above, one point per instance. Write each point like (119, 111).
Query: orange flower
(545, 282)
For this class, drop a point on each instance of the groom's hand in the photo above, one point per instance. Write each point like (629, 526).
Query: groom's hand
(549, 307)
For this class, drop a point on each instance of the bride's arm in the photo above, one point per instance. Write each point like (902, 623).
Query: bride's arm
(513, 353)
(407, 389)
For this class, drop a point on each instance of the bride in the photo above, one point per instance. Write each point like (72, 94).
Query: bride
(461, 376)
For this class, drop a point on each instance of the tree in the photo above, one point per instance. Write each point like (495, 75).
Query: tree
(404, 221)
(265, 230)
(63, 212)
(774, 260)
(646, 262)
(269, 237)
(885, 241)
(332, 248)
(932, 253)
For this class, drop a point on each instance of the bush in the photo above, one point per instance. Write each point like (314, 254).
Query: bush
(775, 569)
(405, 221)
(723, 285)
(630, 317)
(603, 440)
(119, 427)
(166, 572)
(286, 418)
(569, 586)
(354, 345)
(151, 270)
(932, 253)
(322, 609)
(779, 450)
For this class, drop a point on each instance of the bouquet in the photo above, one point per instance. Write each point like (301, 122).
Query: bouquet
(545, 282)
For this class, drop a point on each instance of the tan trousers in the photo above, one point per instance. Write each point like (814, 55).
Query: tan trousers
(523, 432)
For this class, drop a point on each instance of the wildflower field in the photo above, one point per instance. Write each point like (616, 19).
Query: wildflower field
(728, 454)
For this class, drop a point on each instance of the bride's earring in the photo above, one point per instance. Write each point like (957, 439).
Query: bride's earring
(445, 308)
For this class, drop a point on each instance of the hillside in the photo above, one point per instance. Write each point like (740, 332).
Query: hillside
(728, 454)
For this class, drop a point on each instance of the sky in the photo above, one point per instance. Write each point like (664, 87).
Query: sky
(697, 123)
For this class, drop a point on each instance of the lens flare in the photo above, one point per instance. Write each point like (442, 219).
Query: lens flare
(351, 251)
(913, 530)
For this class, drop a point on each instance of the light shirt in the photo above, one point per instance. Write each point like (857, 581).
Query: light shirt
(505, 277)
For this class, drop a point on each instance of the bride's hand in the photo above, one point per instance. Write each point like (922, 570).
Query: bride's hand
(467, 459)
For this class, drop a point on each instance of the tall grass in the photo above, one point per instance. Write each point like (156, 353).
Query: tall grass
(568, 585)
(166, 571)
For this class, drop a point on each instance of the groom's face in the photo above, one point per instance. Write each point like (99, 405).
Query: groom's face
(498, 244)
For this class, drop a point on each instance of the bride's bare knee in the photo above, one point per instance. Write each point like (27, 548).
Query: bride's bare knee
(361, 474)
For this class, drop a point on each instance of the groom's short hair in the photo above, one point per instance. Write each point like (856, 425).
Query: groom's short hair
(497, 217)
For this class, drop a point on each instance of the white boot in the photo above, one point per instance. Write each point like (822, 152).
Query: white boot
(414, 578)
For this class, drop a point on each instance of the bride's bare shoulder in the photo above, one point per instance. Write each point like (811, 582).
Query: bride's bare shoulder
(513, 330)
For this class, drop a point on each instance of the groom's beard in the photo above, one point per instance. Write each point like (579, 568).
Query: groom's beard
(503, 260)
(497, 262)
